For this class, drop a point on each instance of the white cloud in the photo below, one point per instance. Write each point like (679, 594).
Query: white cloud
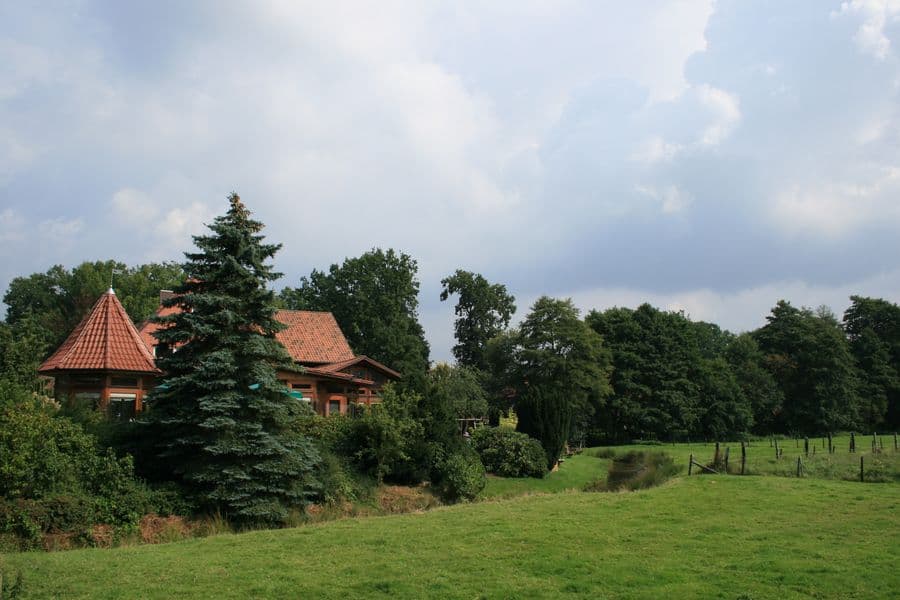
(741, 310)
(725, 110)
(839, 208)
(870, 37)
(670, 198)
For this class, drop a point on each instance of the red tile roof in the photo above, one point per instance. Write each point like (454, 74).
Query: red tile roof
(148, 328)
(310, 338)
(105, 340)
(337, 366)
(313, 337)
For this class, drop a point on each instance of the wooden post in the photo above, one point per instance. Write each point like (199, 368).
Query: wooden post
(743, 458)
(690, 464)
(895, 442)
(852, 442)
(726, 458)
(830, 444)
(776, 450)
(716, 456)
(861, 472)
(814, 450)
(806, 446)
(796, 442)
(799, 467)
(874, 442)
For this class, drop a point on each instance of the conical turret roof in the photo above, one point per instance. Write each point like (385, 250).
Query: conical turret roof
(105, 340)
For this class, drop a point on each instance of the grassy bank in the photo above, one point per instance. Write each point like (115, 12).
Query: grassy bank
(704, 537)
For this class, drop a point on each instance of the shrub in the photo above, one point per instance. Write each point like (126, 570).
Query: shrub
(461, 477)
(509, 453)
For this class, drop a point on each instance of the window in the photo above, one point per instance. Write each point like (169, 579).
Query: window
(301, 386)
(334, 407)
(86, 400)
(121, 407)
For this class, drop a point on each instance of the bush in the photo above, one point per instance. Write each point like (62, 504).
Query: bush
(509, 453)
(461, 477)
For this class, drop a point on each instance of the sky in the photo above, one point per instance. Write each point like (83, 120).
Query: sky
(705, 156)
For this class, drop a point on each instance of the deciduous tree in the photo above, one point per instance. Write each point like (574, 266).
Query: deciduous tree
(483, 310)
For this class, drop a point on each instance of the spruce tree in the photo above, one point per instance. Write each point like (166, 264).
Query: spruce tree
(221, 420)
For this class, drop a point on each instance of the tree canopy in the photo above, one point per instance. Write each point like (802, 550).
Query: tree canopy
(375, 300)
(483, 310)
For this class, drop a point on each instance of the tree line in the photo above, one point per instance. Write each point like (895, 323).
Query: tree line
(227, 436)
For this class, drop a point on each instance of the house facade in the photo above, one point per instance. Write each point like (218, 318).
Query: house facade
(109, 361)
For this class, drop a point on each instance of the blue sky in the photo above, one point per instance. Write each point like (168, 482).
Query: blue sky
(704, 156)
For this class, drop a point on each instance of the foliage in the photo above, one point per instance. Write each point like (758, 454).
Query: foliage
(726, 414)
(655, 393)
(375, 300)
(545, 413)
(221, 420)
(23, 345)
(554, 350)
(458, 387)
(671, 379)
(55, 477)
(508, 453)
(873, 328)
(58, 299)
(382, 442)
(809, 357)
(761, 393)
(461, 476)
(483, 311)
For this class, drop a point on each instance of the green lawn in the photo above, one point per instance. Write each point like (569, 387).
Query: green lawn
(573, 474)
(703, 537)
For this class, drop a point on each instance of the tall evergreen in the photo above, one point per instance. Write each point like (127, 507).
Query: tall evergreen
(221, 419)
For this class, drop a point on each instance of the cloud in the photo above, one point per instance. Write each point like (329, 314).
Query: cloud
(690, 150)
(875, 15)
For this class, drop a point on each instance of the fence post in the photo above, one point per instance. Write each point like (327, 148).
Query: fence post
(895, 441)
(799, 467)
(852, 442)
(690, 465)
(861, 471)
(806, 446)
(874, 442)
(716, 456)
(743, 458)
(776, 450)
(830, 444)
(727, 451)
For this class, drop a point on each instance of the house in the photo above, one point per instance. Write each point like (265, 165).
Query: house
(106, 360)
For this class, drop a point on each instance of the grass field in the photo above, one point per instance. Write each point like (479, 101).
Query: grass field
(883, 466)
(573, 474)
(703, 537)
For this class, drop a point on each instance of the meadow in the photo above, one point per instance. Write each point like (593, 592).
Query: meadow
(710, 536)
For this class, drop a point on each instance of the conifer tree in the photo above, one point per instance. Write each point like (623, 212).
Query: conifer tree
(221, 419)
